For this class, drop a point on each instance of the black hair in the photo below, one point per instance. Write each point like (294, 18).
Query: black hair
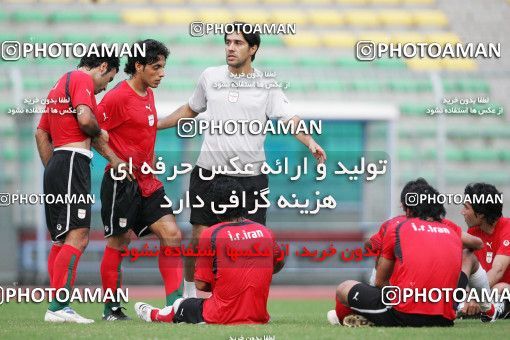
(429, 208)
(153, 49)
(221, 191)
(252, 38)
(94, 61)
(491, 211)
(409, 188)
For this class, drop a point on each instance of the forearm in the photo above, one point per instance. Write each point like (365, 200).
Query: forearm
(44, 146)
(87, 121)
(171, 120)
(494, 276)
(104, 150)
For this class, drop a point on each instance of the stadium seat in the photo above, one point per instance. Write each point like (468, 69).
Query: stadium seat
(458, 64)
(473, 85)
(385, 2)
(367, 85)
(407, 154)
(203, 62)
(135, 2)
(289, 16)
(442, 38)
(377, 37)
(303, 39)
(361, 18)
(176, 84)
(79, 38)
(414, 109)
(338, 39)
(251, 2)
(316, 2)
(390, 63)
(104, 17)
(140, 17)
(419, 2)
(188, 40)
(409, 85)
(3, 17)
(28, 16)
(396, 18)
(120, 37)
(325, 17)
(40, 37)
(67, 17)
(352, 2)
(350, 62)
(430, 18)
(331, 85)
(215, 16)
(204, 2)
(56, 1)
(252, 16)
(271, 40)
(279, 2)
(408, 37)
(297, 85)
(279, 62)
(483, 155)
(314, 62)
(423, 64)
(505, 155)
(178, 16)
(168, 2)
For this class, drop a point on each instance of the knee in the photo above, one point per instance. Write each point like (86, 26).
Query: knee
(342, 291)
(501, 286)
(196, 232)
(168, 231)
(118, 242)
(78, 238)
(469, 261)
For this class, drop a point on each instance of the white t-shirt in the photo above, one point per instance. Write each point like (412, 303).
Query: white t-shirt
(220, 94)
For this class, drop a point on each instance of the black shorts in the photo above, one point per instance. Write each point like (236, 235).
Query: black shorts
(367, 300)
(67, 174)
(123, 207)
(190, 311)
(200, 187)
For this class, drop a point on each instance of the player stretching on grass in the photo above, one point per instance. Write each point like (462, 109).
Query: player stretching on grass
(240, 286)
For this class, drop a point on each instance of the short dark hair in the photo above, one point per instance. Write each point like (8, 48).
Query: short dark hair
(94, 61)
(153, 49)
(251, 38)
(491, 211)
(426, 209)
(221, 191)
(409, 188)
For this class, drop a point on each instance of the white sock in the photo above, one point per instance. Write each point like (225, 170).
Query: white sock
(479, 281)
(372, 278)
(190, 291)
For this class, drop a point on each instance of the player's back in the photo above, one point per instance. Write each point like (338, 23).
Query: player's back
(242, 272)
(428, 255)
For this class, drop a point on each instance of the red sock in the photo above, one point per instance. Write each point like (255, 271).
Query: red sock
(341, 310)
(111, 274)
(170, 268)
(163, 315)
(55, 249)
(491, 311)
(64, 267)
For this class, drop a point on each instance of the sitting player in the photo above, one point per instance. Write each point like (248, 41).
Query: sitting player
(239, 287)
(486, 222)
(415, 239)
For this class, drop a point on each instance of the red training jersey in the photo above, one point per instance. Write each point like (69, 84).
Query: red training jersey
(497, 243)
(377, 239)
(61, 125)
(131, 121)
(427, 255)
(240, 287)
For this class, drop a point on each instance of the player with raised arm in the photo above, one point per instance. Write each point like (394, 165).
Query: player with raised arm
(238, 103)
(134, 202)
(64, 135)
(239, 286)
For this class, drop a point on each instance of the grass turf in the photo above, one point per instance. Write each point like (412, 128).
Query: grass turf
(290, 319)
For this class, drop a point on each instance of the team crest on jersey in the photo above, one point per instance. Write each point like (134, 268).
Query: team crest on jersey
(506, 243)
(82, 213)
(151, 120)
(122, 222)
(233, 96)
(488, 257)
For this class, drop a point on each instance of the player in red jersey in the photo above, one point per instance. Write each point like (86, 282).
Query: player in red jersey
(420, 242)
(64, 135)
(484, 219)
(134, 201)
(239, 286)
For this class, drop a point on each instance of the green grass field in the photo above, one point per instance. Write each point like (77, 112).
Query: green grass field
(294, 319)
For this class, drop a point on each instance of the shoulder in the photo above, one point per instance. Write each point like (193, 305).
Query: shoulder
(215, 71)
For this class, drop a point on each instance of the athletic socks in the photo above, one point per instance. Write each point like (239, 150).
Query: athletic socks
(111, 275)
(479, 281)
(163, 315)
(64, 273)
(55, 249)
(341, 310)
(170, 268)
